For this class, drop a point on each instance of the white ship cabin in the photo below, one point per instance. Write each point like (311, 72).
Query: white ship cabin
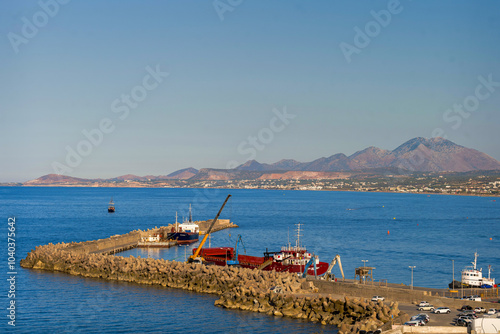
(154, 238)
(293, 256)
(472, 277)
(189, 227)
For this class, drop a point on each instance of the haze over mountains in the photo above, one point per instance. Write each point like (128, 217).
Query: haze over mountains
(416, 155)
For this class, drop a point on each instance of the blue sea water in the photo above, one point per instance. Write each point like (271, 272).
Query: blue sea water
(391, 231)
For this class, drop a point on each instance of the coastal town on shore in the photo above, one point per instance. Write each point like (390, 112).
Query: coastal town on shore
(438, 184)
(483, 183)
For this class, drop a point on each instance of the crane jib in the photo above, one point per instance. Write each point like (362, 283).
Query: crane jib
(198, 251)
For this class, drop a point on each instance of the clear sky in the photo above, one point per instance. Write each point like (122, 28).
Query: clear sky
(164, 85)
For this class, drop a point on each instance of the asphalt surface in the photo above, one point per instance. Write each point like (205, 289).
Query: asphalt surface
(435, 319)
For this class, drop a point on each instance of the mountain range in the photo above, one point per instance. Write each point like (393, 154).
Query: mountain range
(416, 155)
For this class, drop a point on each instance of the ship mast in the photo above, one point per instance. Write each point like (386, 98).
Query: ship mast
(176, 223)
(298, 235)
(475, 261)
(190, 216)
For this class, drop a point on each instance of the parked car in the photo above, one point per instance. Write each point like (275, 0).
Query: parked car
(424, 303)
(479, 309)
(468, 312)
(492, 311)
(412, 323)
(422, 317)
(425, 315)
(468, 317)
(377, 298)
(475, 298)
(462, 322)
(426, 308)
(466, 307)
(442, 310)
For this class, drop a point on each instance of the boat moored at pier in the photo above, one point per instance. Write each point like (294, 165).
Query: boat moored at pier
(473, 278)
(293, 259)
(185, 233)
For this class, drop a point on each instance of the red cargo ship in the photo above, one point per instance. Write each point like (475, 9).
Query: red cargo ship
(292, 259)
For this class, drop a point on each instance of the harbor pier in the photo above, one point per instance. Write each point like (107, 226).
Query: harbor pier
(274, 293)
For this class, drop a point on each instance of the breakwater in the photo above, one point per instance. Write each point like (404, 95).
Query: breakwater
(278, 294)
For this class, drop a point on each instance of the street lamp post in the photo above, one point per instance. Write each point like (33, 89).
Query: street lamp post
(411, 267)
(364, 265)
(453, 280)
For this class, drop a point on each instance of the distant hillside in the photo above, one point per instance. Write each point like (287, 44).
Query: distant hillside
(417, 154)
(55, 179)
(183, 174)
(129, 177)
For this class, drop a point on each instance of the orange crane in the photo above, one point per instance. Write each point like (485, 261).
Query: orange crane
(195, 257)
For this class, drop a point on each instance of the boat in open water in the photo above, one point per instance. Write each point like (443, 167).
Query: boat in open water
(293, 259)
(111, 206)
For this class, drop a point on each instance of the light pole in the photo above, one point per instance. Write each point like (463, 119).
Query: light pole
(411, 267)
(453, 280)
(364, 265)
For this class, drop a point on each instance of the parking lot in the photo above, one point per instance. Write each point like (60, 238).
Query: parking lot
(435, 319)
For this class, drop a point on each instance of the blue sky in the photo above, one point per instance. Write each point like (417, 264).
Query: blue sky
(229, 78)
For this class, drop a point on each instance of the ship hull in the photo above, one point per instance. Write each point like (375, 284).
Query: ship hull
(184, 237)
(254, 262)
(221, 255)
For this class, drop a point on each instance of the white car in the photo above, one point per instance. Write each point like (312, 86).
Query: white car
(479, 310)
(442, 310)
(422, 304)
(413, 323)
(475, 298)
(492, 311)
(377, 298)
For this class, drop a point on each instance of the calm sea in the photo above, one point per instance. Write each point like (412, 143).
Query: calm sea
(390, 231)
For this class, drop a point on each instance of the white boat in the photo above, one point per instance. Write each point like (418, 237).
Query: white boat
(473, 277)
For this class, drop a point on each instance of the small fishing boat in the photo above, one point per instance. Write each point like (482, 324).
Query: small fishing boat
(111, 206)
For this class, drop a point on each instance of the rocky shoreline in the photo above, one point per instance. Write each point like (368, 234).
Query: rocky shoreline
(277, 294)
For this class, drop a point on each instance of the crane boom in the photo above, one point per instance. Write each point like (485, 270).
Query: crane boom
(312, 262)
(328, 273)
(198, 250)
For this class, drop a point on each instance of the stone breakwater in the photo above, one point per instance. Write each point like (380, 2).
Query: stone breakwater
(238, 288)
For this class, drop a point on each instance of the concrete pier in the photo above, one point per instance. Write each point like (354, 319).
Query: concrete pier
(238, 288)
